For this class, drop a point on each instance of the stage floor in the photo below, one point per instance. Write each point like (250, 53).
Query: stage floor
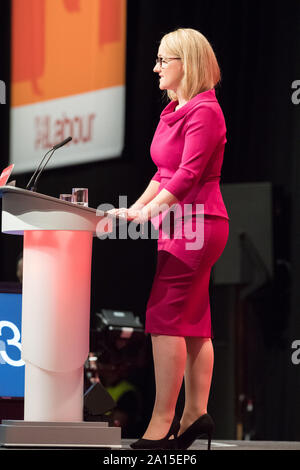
(197, 446)
(235, 445)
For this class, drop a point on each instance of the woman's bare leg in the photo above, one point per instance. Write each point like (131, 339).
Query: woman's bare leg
(197, 379)
(169, 356)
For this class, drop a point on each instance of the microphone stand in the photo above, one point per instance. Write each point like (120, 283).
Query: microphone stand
(41, 171)
(31, 179)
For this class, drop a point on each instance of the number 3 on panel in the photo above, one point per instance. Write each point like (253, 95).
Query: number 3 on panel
(14, 341)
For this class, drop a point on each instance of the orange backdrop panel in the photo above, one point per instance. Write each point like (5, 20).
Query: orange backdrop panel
(66, 47)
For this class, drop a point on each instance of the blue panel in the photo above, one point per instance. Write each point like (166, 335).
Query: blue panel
(12, 368)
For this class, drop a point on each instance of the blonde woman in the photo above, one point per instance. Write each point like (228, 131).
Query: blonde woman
(187, 148)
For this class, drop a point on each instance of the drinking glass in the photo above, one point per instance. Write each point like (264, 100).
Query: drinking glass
(80, 196)
(66, 197)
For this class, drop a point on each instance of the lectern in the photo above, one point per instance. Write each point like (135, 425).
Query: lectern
(57, 254)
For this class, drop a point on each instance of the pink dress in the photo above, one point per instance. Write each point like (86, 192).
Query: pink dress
(188, 148)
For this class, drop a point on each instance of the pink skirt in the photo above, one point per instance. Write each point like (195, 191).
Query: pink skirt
(179, 303)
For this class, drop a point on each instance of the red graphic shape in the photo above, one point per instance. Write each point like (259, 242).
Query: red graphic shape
(110, 21)
(6, 174)
(28, 41)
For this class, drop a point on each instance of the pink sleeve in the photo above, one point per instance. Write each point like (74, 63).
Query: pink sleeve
(156, 176)
(201, 138)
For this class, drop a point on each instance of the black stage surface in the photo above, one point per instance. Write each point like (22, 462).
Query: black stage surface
(236, 445)
(197, 446)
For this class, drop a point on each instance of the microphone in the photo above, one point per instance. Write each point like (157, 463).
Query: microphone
(39, 171)
(57, 146)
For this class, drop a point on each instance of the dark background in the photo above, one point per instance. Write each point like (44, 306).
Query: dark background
(257, 45)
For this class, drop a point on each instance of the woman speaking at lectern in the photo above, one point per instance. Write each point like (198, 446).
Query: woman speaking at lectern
(187, 148)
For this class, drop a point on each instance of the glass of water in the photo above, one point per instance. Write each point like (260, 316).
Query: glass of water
(80, 196)
(66, 197)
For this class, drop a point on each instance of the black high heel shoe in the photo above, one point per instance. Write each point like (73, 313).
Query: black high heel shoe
(164, 443)
(203, 426)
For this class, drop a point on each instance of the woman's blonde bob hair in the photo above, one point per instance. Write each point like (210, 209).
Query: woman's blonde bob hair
(200, 65)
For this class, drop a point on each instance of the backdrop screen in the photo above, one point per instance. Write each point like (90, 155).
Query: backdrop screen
(68, 79)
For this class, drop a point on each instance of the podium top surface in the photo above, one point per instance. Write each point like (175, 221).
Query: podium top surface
(25, 192)
(24, 210)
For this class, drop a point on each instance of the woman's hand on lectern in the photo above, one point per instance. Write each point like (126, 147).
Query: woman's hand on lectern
(131, 214)
(121, 212)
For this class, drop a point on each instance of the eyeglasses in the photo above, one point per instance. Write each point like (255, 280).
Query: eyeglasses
(163, 61)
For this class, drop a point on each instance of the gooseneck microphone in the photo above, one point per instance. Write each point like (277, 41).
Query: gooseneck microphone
(57, 146)
(36, 175)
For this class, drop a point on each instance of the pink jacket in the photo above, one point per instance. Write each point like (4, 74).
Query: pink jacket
(188, 148)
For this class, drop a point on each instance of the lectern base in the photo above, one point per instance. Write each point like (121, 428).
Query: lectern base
(59, 434)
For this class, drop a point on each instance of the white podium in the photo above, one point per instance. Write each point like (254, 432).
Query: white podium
(57, 254)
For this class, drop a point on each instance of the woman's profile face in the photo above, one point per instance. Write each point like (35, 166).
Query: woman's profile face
(169, 69)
